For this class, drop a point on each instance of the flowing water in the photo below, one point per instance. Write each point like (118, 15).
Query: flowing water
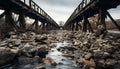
(63, 62)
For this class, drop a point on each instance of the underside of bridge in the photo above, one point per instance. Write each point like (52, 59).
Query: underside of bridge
(95, 10)
(23, 10)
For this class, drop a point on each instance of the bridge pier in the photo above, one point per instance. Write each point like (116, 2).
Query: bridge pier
(84, 24)
(22, 21)
(43, 26)
(80, 27)
(102, 16)
(10, 24)
(101, 30)
(36, 26)
(70, 27)
(48, 26)
(76, 27)
(73, 26)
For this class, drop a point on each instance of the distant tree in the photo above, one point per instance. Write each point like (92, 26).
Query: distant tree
(61, 23)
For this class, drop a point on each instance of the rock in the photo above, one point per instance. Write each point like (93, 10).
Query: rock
(111, 63)
(77, 42)
(27, 60)
(14, 36)
(40, 67)
(88, 56)
(82, 61)
(40, 38)
(92, 63)
(69, 55)
(100, 63)
(3, 43)
(50, 61)
(28, 50)
(16, 41)
(60, 63)
(27, 47)
(7, 55)
(42, 51)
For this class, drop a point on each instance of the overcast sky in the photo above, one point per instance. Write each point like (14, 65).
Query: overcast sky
(60, 10)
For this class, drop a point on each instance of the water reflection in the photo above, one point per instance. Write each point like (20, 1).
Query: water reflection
(62, 61)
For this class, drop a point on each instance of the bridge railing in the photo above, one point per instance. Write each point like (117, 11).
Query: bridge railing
(35, 7)
(79, 8)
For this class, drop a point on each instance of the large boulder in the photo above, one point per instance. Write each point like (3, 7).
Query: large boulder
(7, 55)
(28, 50)
(42, 51)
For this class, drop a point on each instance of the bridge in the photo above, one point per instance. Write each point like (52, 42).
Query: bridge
(91, 10)
(25, 8)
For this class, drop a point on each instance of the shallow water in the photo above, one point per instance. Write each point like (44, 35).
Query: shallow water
(58, 57)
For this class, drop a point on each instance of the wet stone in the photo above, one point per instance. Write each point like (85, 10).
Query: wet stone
(50, 61)
(88, 56)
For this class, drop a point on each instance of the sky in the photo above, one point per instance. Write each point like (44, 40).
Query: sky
(60, 10)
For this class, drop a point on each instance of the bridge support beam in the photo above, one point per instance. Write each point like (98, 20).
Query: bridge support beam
(47, 26)
(115, 23)
(76, 28)
(80, 27)
(101, 30)
(9, 21)
(36, 26)
(70, 27)
(22, 21)
(84, 24)
(43, 26)
(73, 26)
(90, 29)
(102, 15)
